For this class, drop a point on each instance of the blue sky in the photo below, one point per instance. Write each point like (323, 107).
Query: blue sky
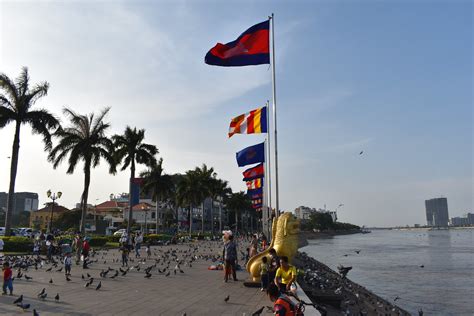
(393, 79)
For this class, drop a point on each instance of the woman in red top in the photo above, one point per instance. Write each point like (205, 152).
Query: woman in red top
(7, 278)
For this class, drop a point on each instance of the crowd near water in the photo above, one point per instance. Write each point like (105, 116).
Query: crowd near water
(416, 269)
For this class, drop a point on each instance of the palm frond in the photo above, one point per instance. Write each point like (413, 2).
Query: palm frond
(8, 86)
(6, 116)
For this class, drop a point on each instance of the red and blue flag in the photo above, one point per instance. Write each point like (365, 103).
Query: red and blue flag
(254, 172)
(252, 47)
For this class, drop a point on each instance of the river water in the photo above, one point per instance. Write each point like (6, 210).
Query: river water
(389, 265)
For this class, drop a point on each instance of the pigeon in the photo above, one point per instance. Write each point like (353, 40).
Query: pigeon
(23, 306)
(47, 270)
(422, 266)
(115, 275)
(28, 277)
(56, 298)
(361, 152)
(82, 276)
(18, 300)
(51, 281)
(181, 271)
(168, 274)
(60, 269)
(88, 275)
(43, 296)
(35, 313)
(343, 270)
(258, 312)
(42, 292)
(357, 251)
(67, 278)
(227, 298)
(148, 275)
(98, 286)
(396, 298)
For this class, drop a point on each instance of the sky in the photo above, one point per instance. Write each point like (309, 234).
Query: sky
(391, 78)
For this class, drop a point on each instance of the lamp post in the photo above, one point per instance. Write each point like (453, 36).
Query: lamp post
(146, 215)
(54, 197)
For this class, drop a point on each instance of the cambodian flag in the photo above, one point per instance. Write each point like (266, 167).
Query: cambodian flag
(251, 48)
(254, 172)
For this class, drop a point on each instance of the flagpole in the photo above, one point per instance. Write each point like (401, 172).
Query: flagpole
(277, 196)
(265, 194)
(268, 172)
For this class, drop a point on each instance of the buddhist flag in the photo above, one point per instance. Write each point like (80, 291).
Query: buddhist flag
(250, 48)
(253, 122)
(254, 184)
(250, 155)
(254, 172)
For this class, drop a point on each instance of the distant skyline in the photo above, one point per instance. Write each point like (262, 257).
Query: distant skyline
(392, 79)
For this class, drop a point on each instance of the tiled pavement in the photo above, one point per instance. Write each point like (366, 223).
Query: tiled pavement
(197, 291)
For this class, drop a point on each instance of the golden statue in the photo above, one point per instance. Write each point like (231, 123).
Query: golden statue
(285, 231)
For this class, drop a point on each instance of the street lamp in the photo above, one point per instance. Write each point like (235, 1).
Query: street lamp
(146, 215)
(54, 197)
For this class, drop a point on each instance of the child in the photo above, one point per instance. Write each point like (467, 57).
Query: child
(7, 278)
(264, 273)
(67, 264)
(125, 256)
(148, 250)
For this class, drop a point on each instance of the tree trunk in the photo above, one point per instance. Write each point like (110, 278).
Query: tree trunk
(13, 170)
(130, 206)
(190, 220)
(156, 216)
(212, 216)
(220, 216)
(236, 221)
(85, 194)
(202, 222)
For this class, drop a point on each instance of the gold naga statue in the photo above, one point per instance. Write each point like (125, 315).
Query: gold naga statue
(285, 232)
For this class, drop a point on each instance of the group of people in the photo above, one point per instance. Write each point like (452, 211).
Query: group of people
(277, 275)
(130, 242)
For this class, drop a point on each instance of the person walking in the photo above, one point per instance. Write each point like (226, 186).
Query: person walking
(138, 244)
(2, 244)
(77, 245)
(230, 258)
(264, 273)
(274, 264)
(85, 252)
(67, 263)
(125, 252)
(253, 246)
(7, 279)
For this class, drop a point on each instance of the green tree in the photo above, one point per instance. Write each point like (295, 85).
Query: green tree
(218, 189)
(68, 220)
(206, 181)
(238, 203)
(189, 194)
(15, 106)
(129, 151)
(161, 185)
(84, 140)
(321, 221)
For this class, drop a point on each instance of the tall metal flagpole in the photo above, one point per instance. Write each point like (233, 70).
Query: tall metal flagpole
(268, 176)
(277, 204)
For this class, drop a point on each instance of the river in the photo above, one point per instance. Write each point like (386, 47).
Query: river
(390, 265)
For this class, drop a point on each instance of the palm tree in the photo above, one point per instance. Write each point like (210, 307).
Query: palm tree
(129, 151)
(238, 202)
(15, 106)
(159, 184)
(189, 193)
(84, 140)
(219, 188)
(206, 176)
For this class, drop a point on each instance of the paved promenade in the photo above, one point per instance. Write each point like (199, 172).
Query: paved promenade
(197, 291)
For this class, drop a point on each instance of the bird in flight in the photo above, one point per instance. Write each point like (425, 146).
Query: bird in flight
(361, 152)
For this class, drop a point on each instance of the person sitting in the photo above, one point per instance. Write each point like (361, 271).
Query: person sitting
(283, 305)
(285, 275)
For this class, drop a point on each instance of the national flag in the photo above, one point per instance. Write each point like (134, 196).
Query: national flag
(253, 122)
(254, 184)
(255, 196)
(254, 172)
(256, 201)
(255, 192)
(250, 48)
(135, 190)
(257, 206)
(250, 155)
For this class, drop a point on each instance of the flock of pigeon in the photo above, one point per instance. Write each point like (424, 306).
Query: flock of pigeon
(165, 263)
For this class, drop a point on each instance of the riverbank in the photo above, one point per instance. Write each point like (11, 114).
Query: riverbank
(337, 294)
(329, 233)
